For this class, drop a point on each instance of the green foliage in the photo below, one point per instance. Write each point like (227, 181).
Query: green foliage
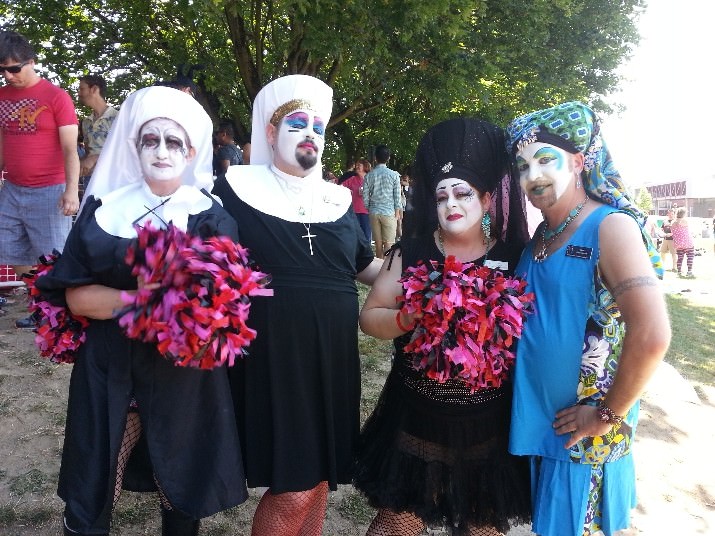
(134, 509)
(356, 507)
(644, 200)
(396, 67)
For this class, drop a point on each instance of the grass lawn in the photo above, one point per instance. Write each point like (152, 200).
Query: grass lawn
(33, 396)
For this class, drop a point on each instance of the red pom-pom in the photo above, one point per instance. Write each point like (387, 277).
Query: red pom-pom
(59, 332)
(470, 318)
(197, 317)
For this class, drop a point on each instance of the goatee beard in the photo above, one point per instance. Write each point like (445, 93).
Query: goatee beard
(307, 161)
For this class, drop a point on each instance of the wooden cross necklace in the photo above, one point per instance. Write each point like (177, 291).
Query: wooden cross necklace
(300, 210)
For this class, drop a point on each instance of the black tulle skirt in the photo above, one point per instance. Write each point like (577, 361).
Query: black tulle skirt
(439, 452)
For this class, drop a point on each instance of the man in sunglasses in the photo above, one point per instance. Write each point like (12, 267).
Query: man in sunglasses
(38, 152)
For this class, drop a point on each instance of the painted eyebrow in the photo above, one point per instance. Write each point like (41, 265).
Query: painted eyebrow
(296, 115)
(545, 150)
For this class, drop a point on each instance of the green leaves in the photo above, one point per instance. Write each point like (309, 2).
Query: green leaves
(396, 67)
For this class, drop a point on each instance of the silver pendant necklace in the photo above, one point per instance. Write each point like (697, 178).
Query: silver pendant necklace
(299, 209)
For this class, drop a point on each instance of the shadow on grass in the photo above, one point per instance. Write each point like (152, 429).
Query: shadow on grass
(693, 344)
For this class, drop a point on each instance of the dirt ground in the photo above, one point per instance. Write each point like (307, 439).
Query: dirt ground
(676, 483)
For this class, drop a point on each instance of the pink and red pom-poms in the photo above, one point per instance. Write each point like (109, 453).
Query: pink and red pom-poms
(59, 333)
(197, 315)
(470, 318)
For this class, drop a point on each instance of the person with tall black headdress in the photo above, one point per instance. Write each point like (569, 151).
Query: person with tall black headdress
(434, 450)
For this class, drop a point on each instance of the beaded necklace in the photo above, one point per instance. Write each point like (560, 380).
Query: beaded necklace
(546, 241)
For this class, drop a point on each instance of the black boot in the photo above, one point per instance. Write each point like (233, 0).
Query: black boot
(175, 523)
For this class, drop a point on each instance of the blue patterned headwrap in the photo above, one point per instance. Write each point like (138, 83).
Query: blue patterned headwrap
(574, 127)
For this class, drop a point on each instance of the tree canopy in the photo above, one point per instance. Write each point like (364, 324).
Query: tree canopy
(396, 67)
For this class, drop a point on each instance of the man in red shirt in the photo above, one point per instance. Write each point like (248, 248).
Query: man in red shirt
(38, 152)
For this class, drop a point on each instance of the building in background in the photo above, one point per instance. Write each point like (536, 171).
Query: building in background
(696, 194)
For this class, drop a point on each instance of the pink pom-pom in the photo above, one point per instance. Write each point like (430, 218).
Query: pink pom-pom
(59, 333)
(470, 318)
(197, 317)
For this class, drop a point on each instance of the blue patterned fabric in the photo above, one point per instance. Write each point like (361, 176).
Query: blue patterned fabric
(580, 127)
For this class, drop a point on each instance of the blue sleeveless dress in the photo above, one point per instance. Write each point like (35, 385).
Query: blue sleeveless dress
(568, 354)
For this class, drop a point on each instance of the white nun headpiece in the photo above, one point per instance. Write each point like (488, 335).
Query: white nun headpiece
(281, 97)
(118, 163)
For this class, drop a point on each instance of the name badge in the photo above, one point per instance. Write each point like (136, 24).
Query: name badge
(579, 252)
(496, 265)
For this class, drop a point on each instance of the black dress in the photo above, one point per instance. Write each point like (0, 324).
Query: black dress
(437, 450)
(297, 394)
(189, 439)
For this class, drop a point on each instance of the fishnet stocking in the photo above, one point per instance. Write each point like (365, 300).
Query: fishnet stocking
(132, 433)
(389, 523)
(299, 513)
(165, 504)
(484, 531)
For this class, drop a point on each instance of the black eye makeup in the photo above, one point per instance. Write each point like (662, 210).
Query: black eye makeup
(152, 141)
(463, 192)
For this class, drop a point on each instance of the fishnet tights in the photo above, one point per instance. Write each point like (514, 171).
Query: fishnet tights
(132, 433)
(389, 523)
(299, 513)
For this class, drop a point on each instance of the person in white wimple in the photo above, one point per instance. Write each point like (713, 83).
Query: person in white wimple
(135, 420)
(298, 394)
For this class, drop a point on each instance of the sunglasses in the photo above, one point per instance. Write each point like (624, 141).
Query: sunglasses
(14, 69)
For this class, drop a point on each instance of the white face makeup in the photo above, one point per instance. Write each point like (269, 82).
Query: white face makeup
(299, 141)
(545, 172)
(459, 207)
(163, 150)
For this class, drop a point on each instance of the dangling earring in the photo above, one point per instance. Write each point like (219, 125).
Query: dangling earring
(487, 227)
(578, 184)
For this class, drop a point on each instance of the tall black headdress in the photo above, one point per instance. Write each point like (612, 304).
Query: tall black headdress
(474, 151)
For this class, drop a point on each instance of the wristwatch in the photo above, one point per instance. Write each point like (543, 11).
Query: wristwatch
(606, 414)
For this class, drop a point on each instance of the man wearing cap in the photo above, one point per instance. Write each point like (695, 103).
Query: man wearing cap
(579, 372)
(38, 151)
(297, 394)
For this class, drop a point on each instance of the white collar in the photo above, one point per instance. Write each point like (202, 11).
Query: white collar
(123, 207)
(298, 199)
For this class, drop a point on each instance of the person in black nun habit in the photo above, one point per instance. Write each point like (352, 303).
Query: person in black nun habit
(133, 417)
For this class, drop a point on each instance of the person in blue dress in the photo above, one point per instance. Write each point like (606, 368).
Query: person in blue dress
(579, 372)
